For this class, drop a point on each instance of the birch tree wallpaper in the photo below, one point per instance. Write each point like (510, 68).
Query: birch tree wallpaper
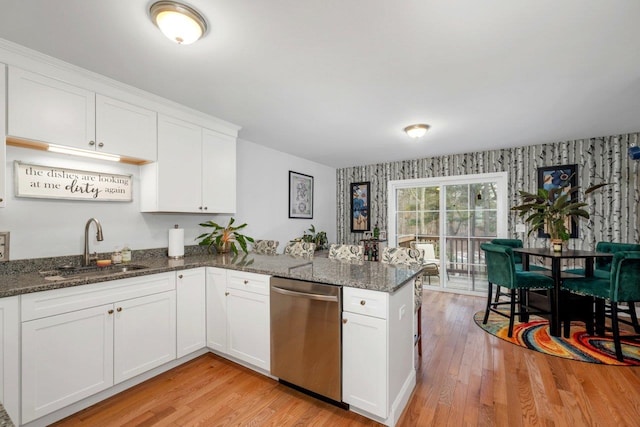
(614, 211)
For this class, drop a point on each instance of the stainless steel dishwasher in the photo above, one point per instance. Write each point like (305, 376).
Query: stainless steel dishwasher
(306, 336)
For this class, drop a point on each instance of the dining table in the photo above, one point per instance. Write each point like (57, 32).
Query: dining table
(556, 273)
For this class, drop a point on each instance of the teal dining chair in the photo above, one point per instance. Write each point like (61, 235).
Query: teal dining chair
(602, 266)
(621, 286)
(501, 271)
(514, 243)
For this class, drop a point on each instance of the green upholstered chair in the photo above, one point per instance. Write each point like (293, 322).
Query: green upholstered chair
(602, 266)
(622, 285)
(513, 243)
(517, 243)
(501, 271)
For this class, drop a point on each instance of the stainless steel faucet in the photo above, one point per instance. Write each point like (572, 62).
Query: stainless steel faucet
(87, 258)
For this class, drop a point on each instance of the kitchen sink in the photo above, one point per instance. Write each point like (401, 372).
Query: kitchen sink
(69, 271)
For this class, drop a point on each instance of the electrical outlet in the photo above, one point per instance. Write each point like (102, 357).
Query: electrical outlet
(4, 246)
(402, 312)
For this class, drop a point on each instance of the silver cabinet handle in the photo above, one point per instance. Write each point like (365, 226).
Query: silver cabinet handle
(92, 143)
(119, 309)
(101, 145)
(362, 302)
(344, 321)
(246, 282)
(226, 294)
(110, 311)
(180, 276)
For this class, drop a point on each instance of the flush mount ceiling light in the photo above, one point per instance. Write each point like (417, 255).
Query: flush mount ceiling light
(416, 131)
(179, 22)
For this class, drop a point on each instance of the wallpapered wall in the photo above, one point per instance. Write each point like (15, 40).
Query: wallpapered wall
(614, 210)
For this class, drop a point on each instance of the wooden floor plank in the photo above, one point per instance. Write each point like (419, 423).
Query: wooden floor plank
(465, 377)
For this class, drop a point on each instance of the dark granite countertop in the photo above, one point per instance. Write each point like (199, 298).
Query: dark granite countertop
(367, 275)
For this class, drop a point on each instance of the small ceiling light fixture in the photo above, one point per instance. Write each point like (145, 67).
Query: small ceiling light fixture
(179, 22)
(417, 131)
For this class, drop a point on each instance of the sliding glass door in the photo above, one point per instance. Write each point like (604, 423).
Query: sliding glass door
(449, 218)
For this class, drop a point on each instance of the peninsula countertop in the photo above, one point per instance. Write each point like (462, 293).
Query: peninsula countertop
(374, 276)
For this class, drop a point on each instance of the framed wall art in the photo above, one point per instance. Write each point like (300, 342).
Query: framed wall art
(360, 208)
(566, 177)
(300, 195)
(48, 182)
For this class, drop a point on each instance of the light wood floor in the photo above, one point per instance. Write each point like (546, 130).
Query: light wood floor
(466, 378)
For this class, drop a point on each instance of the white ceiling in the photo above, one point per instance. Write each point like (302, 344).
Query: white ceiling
(335, 81)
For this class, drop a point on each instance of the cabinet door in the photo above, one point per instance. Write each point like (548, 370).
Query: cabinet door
(364, 363)
(218, 172)
(217, 309)
(190, 297)
(179, 172)
(10, 356)
(248, 327)
(65, 358)
(3, 132)
(48, 110)
(144, 335)
(125, 129)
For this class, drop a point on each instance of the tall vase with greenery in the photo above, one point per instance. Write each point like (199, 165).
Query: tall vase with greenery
(553, 210)
(224, 239)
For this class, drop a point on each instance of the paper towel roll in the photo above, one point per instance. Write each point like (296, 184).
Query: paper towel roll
(176, 243)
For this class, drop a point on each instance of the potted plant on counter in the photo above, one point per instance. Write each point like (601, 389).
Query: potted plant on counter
(317, 237)
(553, 210)
(224, 239)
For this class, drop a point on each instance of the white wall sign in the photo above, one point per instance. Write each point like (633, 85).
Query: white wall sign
(61, 183)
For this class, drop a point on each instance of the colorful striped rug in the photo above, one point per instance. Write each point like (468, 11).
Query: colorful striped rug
(534, 335)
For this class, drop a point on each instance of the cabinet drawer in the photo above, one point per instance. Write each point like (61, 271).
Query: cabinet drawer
(363, 301)
(58, 301)
(250, 282)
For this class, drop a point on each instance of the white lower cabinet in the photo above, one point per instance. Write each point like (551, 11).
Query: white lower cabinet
(238, 315)
(145, 334)
(10, 356)
(378, 372)
(191, 311)
(248, 328)
(364, 363)
(81, 340)
(65, 358)
(217, 309)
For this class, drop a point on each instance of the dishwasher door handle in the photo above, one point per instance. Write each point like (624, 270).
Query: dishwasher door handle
(307, 295)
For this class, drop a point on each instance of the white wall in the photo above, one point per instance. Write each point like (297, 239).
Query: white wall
(263, 194)
(48, 227)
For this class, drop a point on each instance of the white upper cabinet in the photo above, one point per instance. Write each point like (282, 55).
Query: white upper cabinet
(218, 172)
(3, 132)
(48, 110)
(125, 129)
(195, 171)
